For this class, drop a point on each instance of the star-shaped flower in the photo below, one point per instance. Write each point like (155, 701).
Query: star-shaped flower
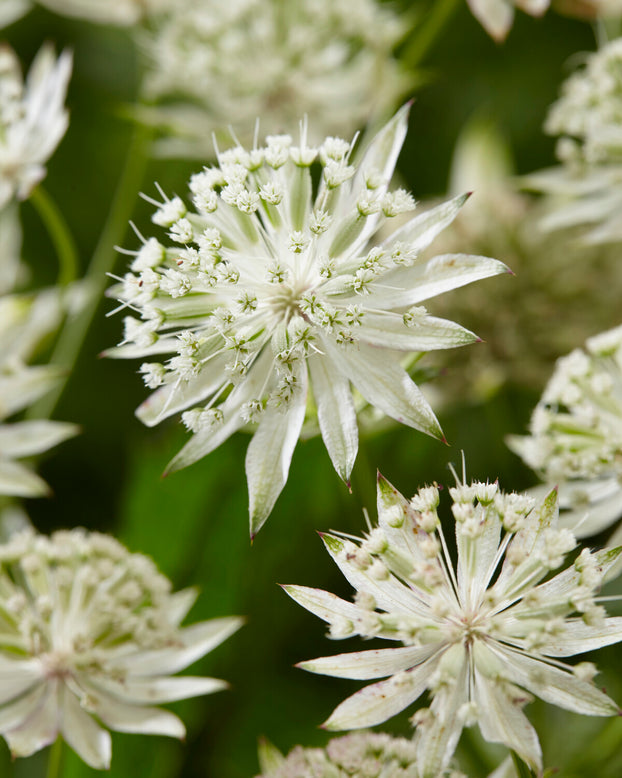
(275, 302)
(91, 635)
(480, 636)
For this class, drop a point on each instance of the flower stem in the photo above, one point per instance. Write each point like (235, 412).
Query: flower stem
(55, 758)
(438, 15)
(76, 326)
(59, 233)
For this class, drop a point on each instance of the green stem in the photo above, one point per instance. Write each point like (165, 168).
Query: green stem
(60, 234)
(76, 327)
(426, 34)
(55, 758)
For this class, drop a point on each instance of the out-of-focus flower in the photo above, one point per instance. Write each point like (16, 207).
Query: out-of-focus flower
(33, 118)
(215, 65)
(24, 321)
(576, 434)
(91, 630)
(11, 266)
(482, 635)
(589, 9)
(497, 16)
(274, 287)
(518, 319)
(124, 13)
(12, 10)
(361, 754)
(588, 184)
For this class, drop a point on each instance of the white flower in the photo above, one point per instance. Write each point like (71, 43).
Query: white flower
(361, 754)
(497, 16)
(281, 290)
(124, 13)
(90, 630)
(589, 9)
(481, 635)
(576, 434)
(24, 321)
(587, 187)
(213, 65)
(33, 118)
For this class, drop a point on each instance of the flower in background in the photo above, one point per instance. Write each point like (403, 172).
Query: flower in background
(33, 118)
(497, 16)
(274, 287)
(589, 9)
(124, 13)
(518, 319)
(25, 320)
(91, 630)
(481, 636)
(213, 65)
(587, 187)
(576, 434)
(362, 754)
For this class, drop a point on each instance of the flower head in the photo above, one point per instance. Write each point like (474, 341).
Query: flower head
(273, 289)
(361, 754)
(33, 118)
(89, 629)
(213, 65)
(588, 184)
(576, 434)
(497, 16)
(481, 636)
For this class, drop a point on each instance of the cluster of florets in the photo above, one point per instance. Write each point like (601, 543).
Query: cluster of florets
(587, 115)
(481, 635)
(361, 754)
(576, 433)
(215, 65)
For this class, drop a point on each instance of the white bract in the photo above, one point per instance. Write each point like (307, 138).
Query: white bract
(587, 187)
(480, 636)
(576, 434)
(91, 635)
(33, 118)
(497, 16)
(275, 302)
(24, 321)
(212, 65)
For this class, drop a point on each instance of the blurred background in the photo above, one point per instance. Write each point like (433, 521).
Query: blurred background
(194, 523)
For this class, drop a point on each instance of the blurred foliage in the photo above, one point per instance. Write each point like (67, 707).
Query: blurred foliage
(194, 523)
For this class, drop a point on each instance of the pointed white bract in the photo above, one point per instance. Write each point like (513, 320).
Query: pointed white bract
(24, 321)
(497, 16)
(33, 118)
(91, 635)
(576, 434)
(480, 636)
(273, 301)
(213, 65)
(361, 754)
(587, 188)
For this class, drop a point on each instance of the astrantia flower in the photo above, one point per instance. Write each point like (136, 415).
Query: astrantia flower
(480, 636)
(576, 434)
(24, 321)
(212, 65)
(588, 185)
(497, 16)
(274, 289)
(33, 118)
(91, 634)
(361, 754)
